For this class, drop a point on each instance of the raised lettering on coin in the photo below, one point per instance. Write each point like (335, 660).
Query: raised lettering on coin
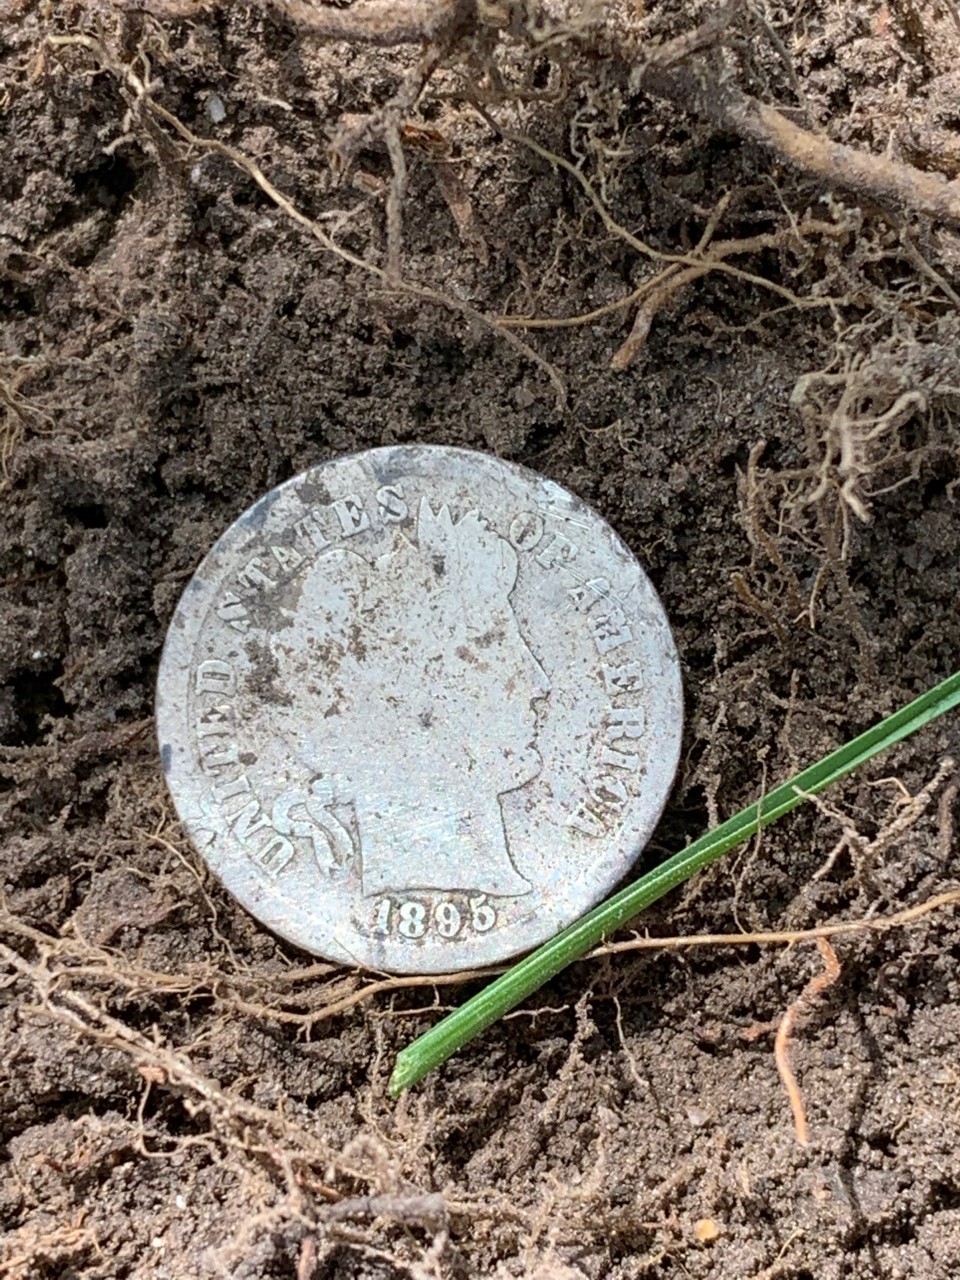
(420, 709)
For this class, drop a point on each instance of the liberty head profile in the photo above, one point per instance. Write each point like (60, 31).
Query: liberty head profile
(412, 702)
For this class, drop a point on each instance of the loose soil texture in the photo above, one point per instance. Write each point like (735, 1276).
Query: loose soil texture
(232, 247)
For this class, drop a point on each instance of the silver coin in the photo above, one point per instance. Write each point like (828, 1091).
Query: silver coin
(419, 709)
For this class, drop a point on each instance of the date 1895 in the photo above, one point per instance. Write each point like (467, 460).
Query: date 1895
(442, 918)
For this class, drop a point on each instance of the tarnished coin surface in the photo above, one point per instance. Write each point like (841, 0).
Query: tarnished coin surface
(418, 709)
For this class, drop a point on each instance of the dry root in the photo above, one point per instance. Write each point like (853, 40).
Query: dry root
(693, 70)
(705, 89)
(18, 413)
(781, 1047)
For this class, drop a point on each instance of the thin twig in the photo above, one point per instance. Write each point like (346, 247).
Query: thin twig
(879, 178)
(785, 937)
(82, 960)
(678, 270)
(755, 244)
(395, 195)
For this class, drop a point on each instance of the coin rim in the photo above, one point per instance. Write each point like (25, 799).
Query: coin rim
(170, 703)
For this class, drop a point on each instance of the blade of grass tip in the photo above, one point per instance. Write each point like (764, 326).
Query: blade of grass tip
(502, 995)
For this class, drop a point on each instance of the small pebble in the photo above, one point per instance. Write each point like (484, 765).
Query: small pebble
(216, 109)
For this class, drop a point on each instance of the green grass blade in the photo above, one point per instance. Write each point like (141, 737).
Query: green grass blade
(454, 1031)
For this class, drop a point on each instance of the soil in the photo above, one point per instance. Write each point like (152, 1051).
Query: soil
(183, 1095)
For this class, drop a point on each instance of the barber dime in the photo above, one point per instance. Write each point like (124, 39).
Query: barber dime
(419, 709)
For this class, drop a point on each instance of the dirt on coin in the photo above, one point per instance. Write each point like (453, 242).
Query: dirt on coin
(233, 245)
